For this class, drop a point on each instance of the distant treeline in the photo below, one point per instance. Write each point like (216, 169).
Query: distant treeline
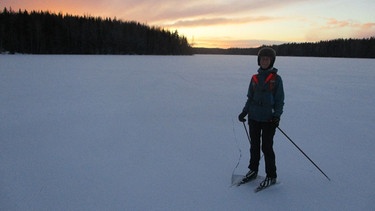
(48, 33)
(350, 48)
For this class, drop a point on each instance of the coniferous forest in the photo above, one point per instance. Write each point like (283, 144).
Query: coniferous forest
(345, 48)
(48, 33)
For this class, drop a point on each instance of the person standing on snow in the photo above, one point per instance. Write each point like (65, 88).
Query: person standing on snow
(263, 107)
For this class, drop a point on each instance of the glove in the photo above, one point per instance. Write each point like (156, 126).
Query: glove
(275, 121)
(242, 116)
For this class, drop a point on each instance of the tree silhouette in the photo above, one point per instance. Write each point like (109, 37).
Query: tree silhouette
(48, 33)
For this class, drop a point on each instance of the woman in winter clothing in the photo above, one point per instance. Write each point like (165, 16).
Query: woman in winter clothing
(264, 106)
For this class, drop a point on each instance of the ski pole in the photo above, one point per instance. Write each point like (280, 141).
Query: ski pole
(303, 153)
(248, 136)
(247, 133)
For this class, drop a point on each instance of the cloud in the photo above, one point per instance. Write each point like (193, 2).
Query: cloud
(333, 28)
(333, 23)
(163, 11)
(219, 21)
(366, 30)
(167, 11)
(229, 42)
(368, 25)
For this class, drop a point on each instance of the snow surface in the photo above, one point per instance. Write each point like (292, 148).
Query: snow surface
(161, 133)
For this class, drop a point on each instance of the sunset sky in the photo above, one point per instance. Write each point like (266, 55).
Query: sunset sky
(225, 23)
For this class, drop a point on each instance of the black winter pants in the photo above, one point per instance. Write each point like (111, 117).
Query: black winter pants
(261, 136)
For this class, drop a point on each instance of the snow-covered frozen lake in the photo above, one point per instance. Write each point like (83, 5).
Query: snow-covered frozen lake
(161, 133)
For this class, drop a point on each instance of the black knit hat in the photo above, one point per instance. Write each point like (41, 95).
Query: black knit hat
(269, 52)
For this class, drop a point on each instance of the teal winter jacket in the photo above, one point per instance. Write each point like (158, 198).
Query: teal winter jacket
(263, 103)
